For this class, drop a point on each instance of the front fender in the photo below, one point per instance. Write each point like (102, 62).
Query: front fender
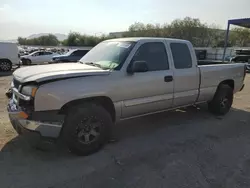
(53, 95)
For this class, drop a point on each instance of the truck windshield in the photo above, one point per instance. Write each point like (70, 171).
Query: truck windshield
(108, 54)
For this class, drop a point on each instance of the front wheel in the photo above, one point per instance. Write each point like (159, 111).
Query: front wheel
(86, 128)
(5, 65)
(222, 101)
(28, 62)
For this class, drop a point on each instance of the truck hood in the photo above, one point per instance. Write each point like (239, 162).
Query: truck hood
(40, 73)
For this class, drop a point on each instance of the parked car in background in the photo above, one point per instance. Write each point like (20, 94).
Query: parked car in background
(37, 57)
(118, 79)
(8, 56)
(71, 56)
(242, 56)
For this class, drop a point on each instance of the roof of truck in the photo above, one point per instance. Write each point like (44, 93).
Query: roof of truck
(136, 39)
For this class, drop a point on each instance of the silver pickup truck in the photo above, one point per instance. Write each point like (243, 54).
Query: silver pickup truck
(117, 80)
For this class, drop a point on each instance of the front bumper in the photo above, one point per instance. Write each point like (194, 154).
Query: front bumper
(23, 124)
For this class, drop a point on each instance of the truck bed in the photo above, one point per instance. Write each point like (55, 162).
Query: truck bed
(211, 62)
(212, 75)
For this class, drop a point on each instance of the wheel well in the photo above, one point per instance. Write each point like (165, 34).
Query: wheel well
(105, 102)
(228, 82)
(6, 60)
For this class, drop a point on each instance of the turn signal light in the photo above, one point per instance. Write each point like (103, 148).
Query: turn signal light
(23, 115)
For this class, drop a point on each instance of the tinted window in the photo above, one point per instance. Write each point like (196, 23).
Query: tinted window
(79, 52)
(47, 53)
(83, 52)
(41, 53)
(181, 55)
(154, 54)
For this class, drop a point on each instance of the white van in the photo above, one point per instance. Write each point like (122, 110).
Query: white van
(8, 56)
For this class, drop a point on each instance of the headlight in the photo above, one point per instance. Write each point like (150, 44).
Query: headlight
(29, 90)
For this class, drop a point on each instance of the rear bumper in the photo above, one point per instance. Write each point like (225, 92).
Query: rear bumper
(28, 125)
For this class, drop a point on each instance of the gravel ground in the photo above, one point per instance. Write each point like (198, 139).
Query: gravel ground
(184, 148)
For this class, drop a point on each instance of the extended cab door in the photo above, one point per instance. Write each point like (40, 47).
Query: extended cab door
(186, 73)
(151, 91)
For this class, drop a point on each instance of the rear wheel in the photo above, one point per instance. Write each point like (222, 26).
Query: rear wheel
(222, 101)
(86, 128)
(5, 65)
(24, 62)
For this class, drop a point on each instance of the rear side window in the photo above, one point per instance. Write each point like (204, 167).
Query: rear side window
(47, 53)
(181, 55)
(154, 53)
(83, 52)
(41, 53)
(80, 52)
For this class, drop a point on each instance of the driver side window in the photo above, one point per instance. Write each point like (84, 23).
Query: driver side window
(41, 53)
(154, 54)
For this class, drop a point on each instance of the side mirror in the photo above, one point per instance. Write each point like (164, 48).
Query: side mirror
(137, 66)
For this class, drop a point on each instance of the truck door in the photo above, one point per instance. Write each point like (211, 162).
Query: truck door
(151, 91)
(186, 74)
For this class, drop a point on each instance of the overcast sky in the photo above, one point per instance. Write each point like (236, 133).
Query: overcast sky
(26, 17)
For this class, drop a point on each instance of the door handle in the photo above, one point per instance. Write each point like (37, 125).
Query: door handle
(168, 78)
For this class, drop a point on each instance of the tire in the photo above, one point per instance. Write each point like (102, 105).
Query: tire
(86, 128)
(28, 62)
(24, 62)
(9, 93)
(222, 101)
(5, 65)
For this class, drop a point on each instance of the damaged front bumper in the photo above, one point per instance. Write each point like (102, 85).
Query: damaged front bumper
(46, 123)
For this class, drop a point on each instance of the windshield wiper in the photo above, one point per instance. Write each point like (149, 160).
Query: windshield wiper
(93, 64)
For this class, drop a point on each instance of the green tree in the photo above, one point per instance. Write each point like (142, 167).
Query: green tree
(188, 28)
(240, 36)
(48, 40)
(22, 41)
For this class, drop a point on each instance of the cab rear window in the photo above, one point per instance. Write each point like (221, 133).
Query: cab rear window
(181, 55)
